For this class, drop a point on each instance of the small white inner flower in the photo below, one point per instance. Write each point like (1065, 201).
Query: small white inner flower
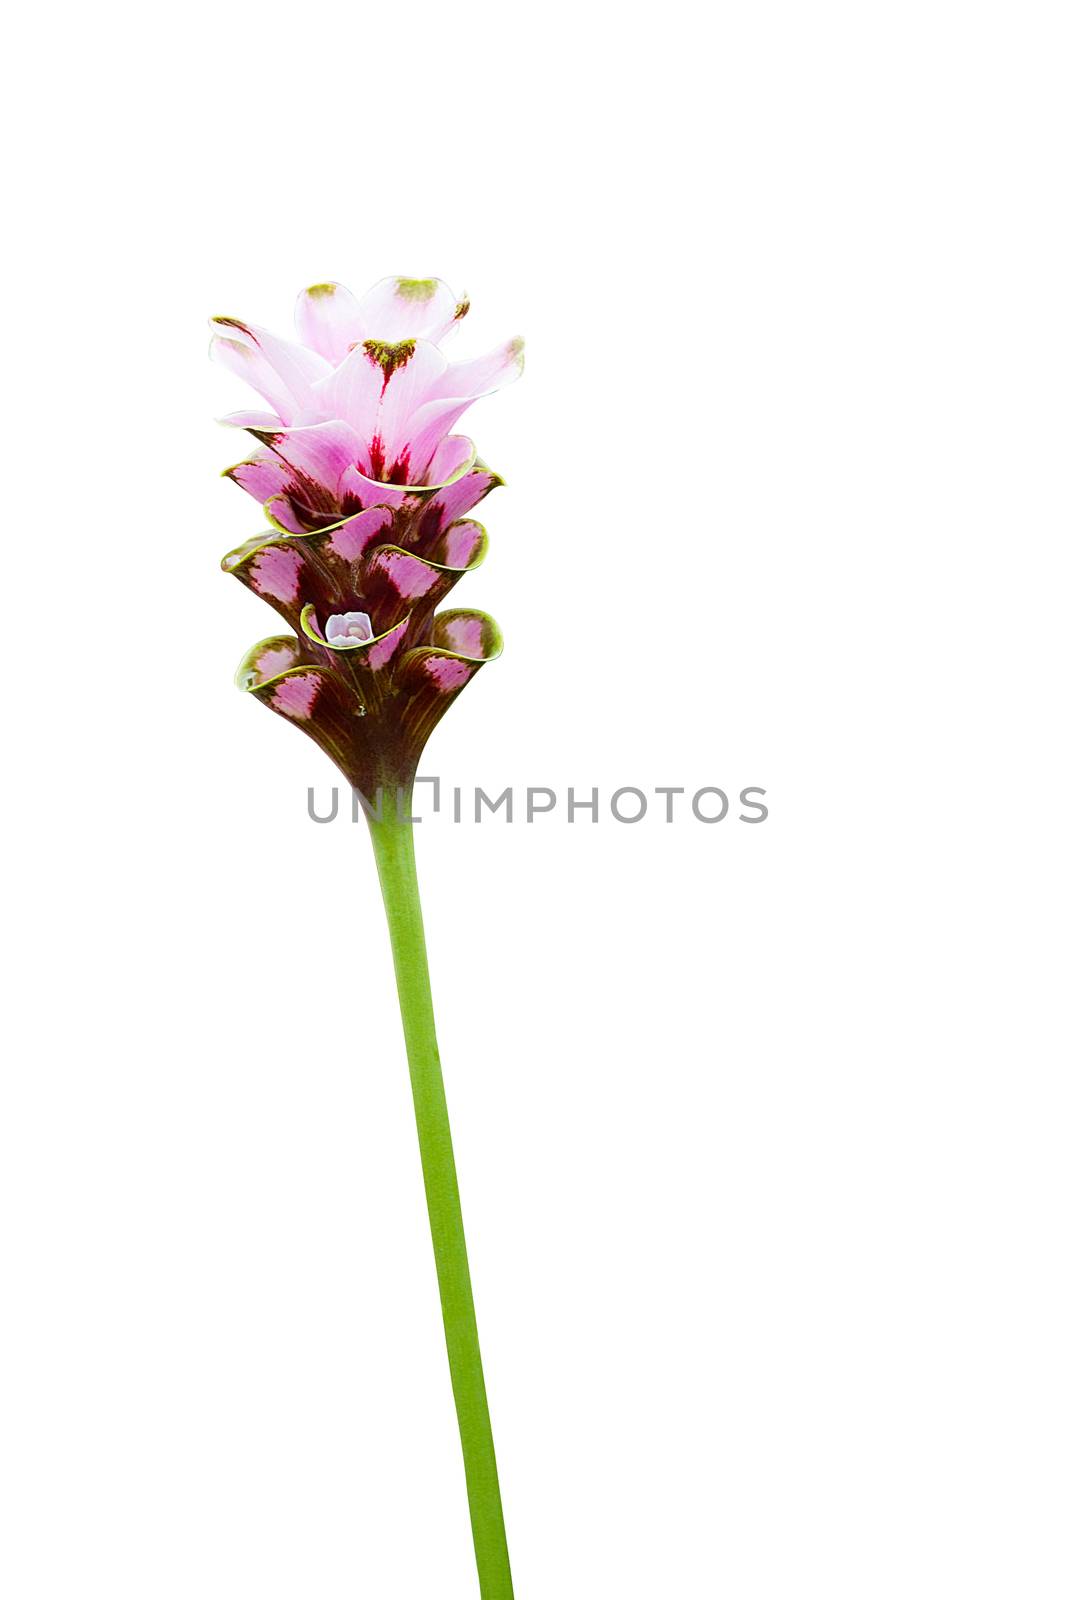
(349, 627)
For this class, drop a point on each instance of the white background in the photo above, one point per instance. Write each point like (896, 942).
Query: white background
(760, 1129)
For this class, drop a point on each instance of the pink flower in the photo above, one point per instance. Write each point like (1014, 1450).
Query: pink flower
(363, 407)
(367, 492)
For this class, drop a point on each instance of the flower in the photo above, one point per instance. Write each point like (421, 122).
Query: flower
(366, 493)
(363, 405)
(353, 626)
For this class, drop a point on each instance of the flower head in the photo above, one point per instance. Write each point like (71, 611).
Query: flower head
(366, 492)
(364, 404)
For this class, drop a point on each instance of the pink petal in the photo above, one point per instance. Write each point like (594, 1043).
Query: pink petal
(352, 392)
(271, 662)
(368, 491)
(262, 475)
(456, 499)
(328, 318)
(321, 452)
(447, 673)
(383, 650)
(350, 538)
(377, 389)
(453, 457)
(484, 376)
(279, 511)
(295, 696)
(463, 546)
(411, 308)
(426, 430)
(275, 572)
(278, 570)
(281, 372)
(266, 659)
(406, 391)
(410, 577)
(450, 395)
(468, 633)
(249, 364)
(295, 365)
(263, 421)
(319, 701)
(430, 677)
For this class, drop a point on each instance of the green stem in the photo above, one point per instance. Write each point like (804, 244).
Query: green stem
(394, 850)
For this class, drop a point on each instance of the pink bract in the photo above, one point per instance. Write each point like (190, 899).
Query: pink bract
(364, 405)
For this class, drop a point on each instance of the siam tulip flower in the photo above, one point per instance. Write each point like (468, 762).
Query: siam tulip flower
(363, 408)
(366, 492)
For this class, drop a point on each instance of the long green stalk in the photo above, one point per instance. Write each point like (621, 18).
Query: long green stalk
(394, 850)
